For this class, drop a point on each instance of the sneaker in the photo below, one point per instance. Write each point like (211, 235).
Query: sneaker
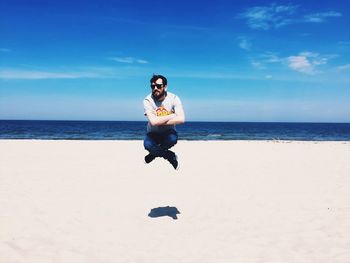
(174, 161)
(149, 158)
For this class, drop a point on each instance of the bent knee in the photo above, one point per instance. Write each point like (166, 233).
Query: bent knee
(173, 140)
(147, 144)
(170, 142)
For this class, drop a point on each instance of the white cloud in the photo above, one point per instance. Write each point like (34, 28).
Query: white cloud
(244, 43)
(107, 72)
(301, 64)
(30, 74)
(97, 72)
(267, 17)
(211, 75)
(305, 62)
(270, 57)
(321, 17)
(129, 60)
(141, 61)
(276, 16)
(258, 65)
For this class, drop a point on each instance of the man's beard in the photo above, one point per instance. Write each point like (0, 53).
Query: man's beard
(160, 94)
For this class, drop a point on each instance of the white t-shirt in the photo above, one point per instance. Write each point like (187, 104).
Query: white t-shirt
(169, 105)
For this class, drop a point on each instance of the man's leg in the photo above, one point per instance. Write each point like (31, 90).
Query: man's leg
(151, 144)
(169, 139)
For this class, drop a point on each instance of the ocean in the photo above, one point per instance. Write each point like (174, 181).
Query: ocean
(135, 130)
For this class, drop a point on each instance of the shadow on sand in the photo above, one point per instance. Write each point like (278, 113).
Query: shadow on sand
(164, 211)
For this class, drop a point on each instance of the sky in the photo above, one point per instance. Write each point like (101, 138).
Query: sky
(278, 61)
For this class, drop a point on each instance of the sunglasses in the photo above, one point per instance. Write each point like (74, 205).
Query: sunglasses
(158, 86)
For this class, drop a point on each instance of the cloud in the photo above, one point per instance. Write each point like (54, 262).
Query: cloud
(28, 74)
(321, 17)
(5, 50)
(267, 17)
(96, 72)
(275, 16)
(141, 61)
(305, 62)
(266, 58)
(270, 57)
(244, 43)
(258, 65)
(211, 75)
(129, 60)
(300, 63)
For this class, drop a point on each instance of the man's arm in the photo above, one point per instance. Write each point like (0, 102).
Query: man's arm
(175, 118)
(179, 117)
(152, 117)
(155, 120)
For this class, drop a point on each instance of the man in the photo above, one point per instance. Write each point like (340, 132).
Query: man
(163, 110)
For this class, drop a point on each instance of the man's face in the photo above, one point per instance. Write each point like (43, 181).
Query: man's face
(158, 89)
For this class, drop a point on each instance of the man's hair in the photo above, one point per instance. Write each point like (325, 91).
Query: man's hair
(155, 77)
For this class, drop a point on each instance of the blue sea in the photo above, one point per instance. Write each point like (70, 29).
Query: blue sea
(135, 130)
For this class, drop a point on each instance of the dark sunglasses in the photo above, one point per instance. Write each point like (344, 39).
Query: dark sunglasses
(158, 86)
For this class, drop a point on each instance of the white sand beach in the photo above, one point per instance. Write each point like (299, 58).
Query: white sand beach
(239, 201)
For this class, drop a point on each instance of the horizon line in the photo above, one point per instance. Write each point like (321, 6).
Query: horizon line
(208, 121)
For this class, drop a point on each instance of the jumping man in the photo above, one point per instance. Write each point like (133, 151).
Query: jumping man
(163, 110)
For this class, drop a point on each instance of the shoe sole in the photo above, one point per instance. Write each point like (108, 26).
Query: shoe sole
(178, 163)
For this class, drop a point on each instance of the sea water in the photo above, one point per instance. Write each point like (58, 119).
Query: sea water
(135, 130)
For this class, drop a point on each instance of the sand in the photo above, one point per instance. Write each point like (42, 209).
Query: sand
(239, 201)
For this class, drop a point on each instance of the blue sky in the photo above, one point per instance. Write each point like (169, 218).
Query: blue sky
(227, 60)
